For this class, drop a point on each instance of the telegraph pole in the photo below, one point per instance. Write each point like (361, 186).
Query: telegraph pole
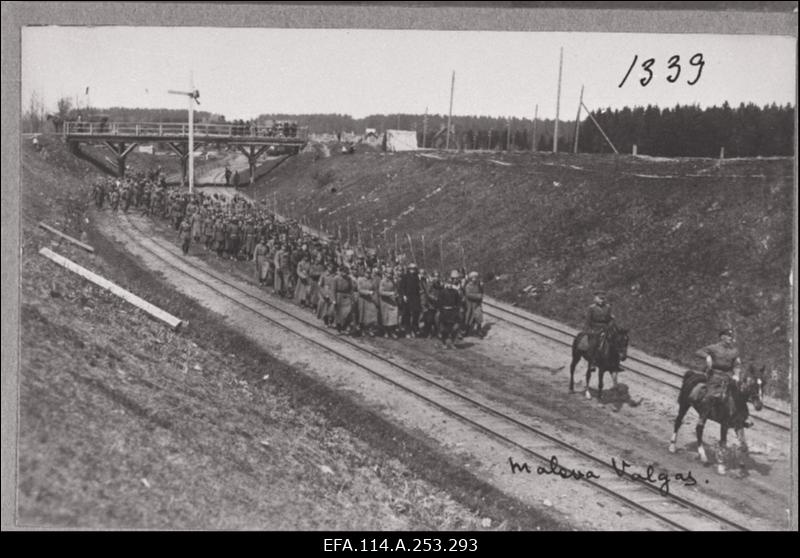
(425, 128)
(193, 95)
(533, 131)
(450, 114)
(558, 100)
(578, 123)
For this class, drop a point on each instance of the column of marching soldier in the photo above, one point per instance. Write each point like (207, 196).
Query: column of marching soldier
(349, 288)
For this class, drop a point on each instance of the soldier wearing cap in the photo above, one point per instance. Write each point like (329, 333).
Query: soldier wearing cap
(325, 309)
(302, 286)
(432, 289)
(598, 318)
(410, 289)
(261, 257)
(723, 365)
(449, 305)
(473, 294)
(388, 304)
(186, 236)
(343, 299)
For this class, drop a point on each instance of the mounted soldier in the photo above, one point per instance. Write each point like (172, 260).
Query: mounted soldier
(723, 366)
(598, 319)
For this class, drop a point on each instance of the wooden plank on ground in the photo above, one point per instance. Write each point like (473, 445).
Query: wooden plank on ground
(154, 311)
(67, 237)
(501, 163)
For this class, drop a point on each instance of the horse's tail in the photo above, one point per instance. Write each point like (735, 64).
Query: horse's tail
(690, 380)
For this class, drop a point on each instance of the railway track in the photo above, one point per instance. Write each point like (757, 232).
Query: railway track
(637, 362)
(677, 512)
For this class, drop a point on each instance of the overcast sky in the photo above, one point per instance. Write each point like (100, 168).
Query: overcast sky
(245, 72)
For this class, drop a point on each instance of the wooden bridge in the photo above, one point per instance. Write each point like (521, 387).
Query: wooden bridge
(122, 137)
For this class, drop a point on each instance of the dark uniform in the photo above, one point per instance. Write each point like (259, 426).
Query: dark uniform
(598, 318)
(725, 362)
(449, 305)
(186, 236)
(410, 289)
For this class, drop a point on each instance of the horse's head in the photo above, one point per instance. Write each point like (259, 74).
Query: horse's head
(752, 385)
(618, 338)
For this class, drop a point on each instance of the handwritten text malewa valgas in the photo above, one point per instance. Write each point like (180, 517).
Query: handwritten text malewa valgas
(621, 468)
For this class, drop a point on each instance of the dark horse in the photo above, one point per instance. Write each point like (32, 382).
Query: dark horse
(612, 349)
(730, 412)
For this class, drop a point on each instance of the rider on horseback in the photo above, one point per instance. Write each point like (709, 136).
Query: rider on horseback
(723, 365)
(598, 320)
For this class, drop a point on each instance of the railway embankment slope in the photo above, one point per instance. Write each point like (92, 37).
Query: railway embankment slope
(683, 246)
(124, 423)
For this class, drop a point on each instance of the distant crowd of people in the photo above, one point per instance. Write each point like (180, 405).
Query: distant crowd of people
(350, 288)
(271, 129)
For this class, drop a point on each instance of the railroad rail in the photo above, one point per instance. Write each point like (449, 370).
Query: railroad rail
(637, 362)
(675, 511)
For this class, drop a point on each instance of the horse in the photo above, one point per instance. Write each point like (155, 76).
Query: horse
(731, 413)
(612, 348)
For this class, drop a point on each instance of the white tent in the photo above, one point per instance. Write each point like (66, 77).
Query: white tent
(401, 140)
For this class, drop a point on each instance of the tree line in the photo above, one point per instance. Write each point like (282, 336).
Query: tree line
(748, 130)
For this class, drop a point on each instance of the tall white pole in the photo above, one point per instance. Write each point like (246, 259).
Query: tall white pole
(578, 123)
(191, 134)
(450, 114)
(558, 101)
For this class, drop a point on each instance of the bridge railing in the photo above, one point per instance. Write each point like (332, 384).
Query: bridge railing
(173, 129)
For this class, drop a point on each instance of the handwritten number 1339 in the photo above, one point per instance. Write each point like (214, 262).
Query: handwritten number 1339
(673, 66)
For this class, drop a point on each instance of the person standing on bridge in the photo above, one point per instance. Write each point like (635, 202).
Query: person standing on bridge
(227, 176)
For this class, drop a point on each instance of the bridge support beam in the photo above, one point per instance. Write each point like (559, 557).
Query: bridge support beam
(252, 152)
(182, 150)
(121, 150)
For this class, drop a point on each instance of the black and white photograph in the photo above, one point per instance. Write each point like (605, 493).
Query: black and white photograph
(410, 269)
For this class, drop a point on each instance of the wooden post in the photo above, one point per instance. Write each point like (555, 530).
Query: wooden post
(722, 152)
(558, 101)
(508, 136)
(635, 150)
(450, 113)
(596, 123)
(441, 254)
(154, 311)
(423, 251)
(578, 123)
(67, 237)
(534, 147)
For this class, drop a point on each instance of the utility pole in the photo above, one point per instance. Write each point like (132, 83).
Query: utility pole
(193, 95)
(508, 136)
(558, 100)
(578, 123)
(425, 129)
(533, 131)
(450, 114)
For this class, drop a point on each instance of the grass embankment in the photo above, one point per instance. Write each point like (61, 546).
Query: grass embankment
(684, 247)
(125, 424)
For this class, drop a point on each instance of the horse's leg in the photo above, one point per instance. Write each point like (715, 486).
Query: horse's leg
(615, 379)
(682, 410)
(699, 432)
(723, 448)
(575, 360)
(600, 373)
(588, 377)
(742, 451)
